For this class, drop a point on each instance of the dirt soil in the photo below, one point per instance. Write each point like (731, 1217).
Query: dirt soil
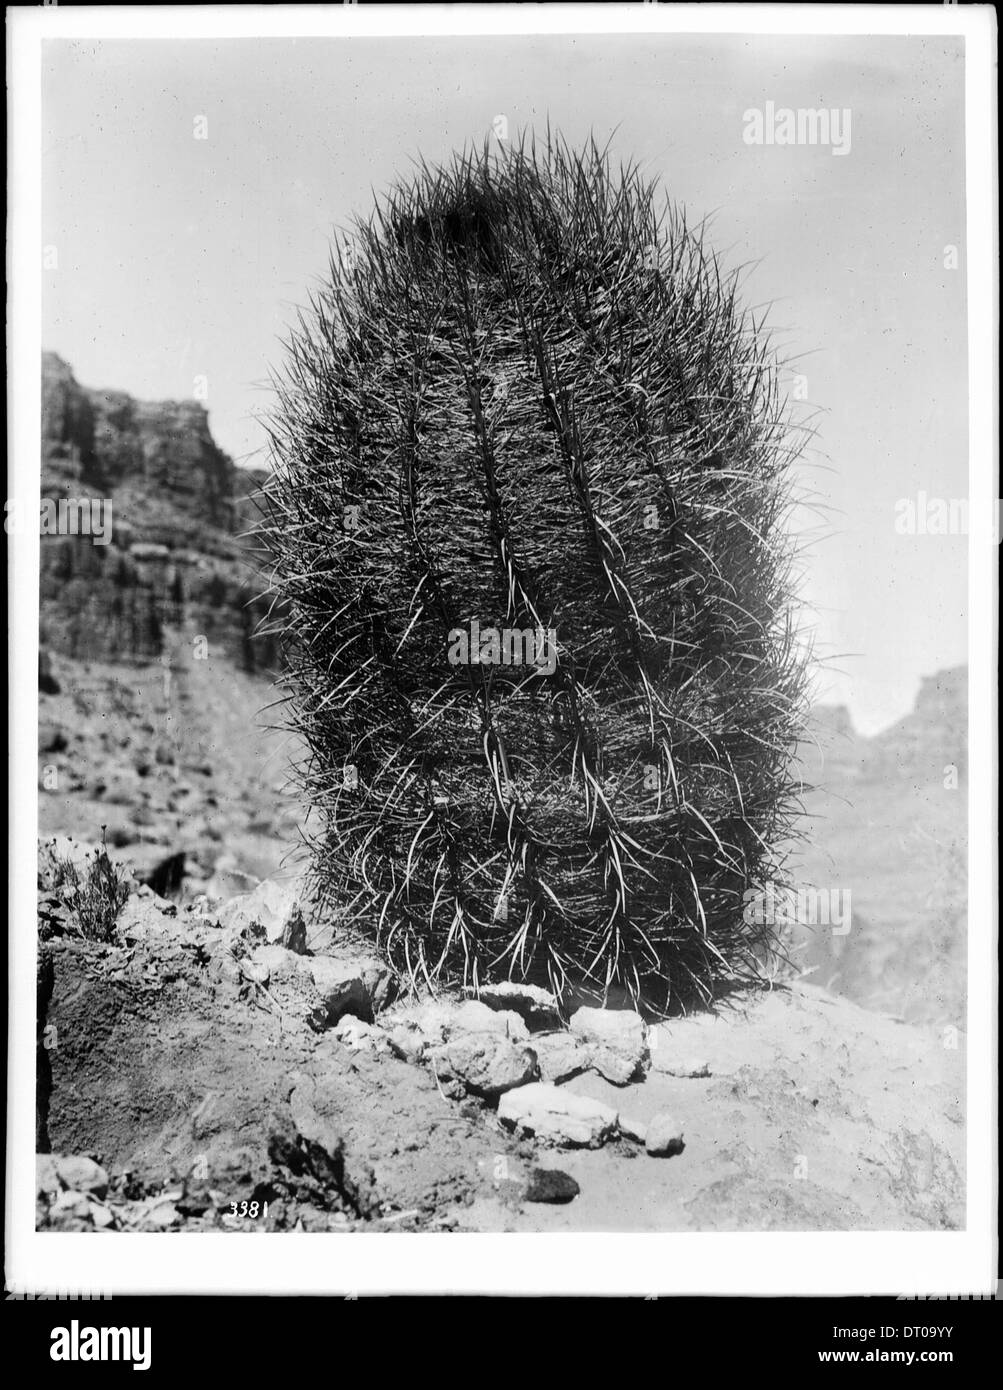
(817, 1115)
(196, 1089)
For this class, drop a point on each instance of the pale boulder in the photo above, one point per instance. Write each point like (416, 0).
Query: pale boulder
(47, 1182)
(81, 1174)
(278, 962)
(342, 988)
(634, 1129)
(274, 909)
(561, 1056)
(487, 1064)
(617, 1039)
(535, 1005)
(474, 1017)
(664, 1137)
(557, 1117)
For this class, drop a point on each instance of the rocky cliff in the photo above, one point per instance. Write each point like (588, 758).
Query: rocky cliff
(887, 822)
(173, 558)
(933, 736)
(919, 748)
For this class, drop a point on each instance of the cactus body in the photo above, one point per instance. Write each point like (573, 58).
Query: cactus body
(527, 522)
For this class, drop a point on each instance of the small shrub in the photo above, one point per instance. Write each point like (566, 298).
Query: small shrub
(83, 899)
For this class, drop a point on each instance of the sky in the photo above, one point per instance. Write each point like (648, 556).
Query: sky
(191, 187)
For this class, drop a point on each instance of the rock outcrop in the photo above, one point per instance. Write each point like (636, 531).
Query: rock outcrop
(932, 736)
(169, 555)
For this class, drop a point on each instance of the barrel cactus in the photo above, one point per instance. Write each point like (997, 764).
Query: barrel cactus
(532, 466)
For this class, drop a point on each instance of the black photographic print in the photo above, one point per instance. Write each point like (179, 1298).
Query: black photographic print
(512, 750)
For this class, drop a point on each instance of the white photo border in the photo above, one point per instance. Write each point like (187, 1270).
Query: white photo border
(943, 1263)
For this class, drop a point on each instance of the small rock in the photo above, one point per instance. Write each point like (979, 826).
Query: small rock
(617, 1039)
(556, 1116)
(550, 1185)
(196, 1199)
(82, 1174)
(277, 961)
(633, 1129)
(561, 1056)
(353, 983)
(692, 1067)
(474, 1017)
(451, 1086)
(293, 936)
(357, 1034)
(379, 980)
(407, 1043)
(71, 1205)
(664, 1137)
(102, 1217)
(166, 876)
(487, 1065)
(342, 988)
(46, 1176)
(536, 1006)
(428, 1023)
(161, 1216)
(314, 1221)
(255, 970)
(274, 908)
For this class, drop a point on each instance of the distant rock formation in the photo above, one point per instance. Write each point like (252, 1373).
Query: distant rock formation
(179, 505)
(109, 442)
(886, 819)
(933, 736)
(922, 746)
